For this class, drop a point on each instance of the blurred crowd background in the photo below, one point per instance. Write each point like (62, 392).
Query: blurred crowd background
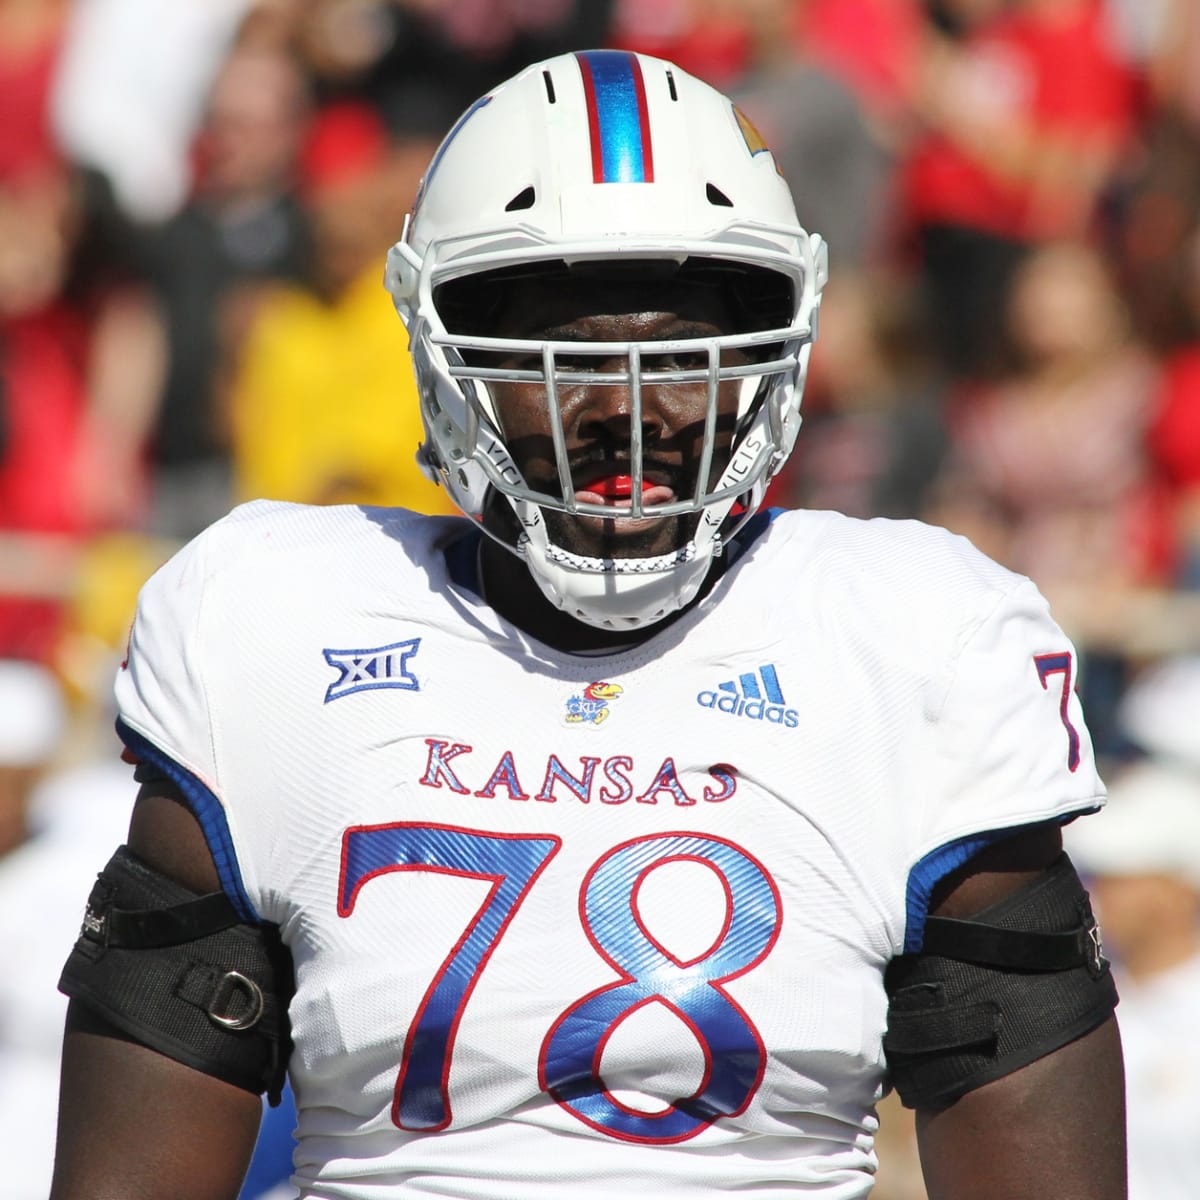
(195, 202)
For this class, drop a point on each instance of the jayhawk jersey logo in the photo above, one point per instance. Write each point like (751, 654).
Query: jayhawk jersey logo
(591, 705)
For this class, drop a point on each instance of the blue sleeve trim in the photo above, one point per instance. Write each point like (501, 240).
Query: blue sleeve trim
(207, 809)
(939, 863)
(925, 875)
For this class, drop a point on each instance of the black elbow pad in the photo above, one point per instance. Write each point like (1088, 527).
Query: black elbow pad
(987, 996)
(184, 975)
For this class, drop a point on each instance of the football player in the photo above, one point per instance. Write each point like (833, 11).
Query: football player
(618, 837)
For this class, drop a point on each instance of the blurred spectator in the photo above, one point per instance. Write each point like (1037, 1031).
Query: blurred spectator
(53, 818)
(1141, 857)
(818, 132)
(323, 405)
(874, 45)
(97, 611)
(77, 347)
(1139, 29)
(30, 43)
(707, 38)
(1175, 436)
(1152, 219)
(874, 435)
(1173, 51)
(1025, 114)
(241, 228)
(30, 36)
(130, 92)
(78, 355)
(1160, 710)
(521, 30)
(32, 728)
(424, 61)
(1048, 470)
(42, 396)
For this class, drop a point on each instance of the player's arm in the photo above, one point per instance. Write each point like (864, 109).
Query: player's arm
(1054, 1126)
(136, 1123)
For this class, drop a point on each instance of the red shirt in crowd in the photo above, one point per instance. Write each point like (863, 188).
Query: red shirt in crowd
(1175, 435)
(1050, 73)
(42, 383)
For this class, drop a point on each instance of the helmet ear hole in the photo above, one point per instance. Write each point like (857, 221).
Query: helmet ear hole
(717, 197)
(522, 200)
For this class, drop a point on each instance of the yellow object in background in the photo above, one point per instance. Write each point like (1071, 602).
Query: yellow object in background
(325, 405)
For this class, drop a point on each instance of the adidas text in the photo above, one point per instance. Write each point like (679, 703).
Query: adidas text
(756, 710)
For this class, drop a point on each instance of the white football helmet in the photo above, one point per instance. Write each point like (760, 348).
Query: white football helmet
(582, 159)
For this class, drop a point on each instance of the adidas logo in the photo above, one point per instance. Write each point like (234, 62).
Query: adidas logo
(756, 695)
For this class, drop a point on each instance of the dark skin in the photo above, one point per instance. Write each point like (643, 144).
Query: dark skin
(596, 425)
(1054, 1128)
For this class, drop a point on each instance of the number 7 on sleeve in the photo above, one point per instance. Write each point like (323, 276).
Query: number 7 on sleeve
(1061, 664)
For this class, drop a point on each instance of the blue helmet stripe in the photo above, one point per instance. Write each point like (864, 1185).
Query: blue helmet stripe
(618, 118)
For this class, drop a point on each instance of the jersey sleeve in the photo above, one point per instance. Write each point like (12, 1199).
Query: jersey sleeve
(1012, 748)
(163, 714)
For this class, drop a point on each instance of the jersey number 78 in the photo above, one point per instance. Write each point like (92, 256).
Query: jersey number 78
(569, 1062)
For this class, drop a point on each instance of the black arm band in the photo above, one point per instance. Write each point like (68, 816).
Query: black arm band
(183, 974)
(989, 995)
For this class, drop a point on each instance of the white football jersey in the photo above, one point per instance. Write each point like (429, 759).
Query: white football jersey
(595, 925)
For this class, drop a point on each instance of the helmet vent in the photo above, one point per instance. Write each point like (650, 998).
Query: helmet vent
(523, 199)
(549, 82)
(671, 85)
(717, 197)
